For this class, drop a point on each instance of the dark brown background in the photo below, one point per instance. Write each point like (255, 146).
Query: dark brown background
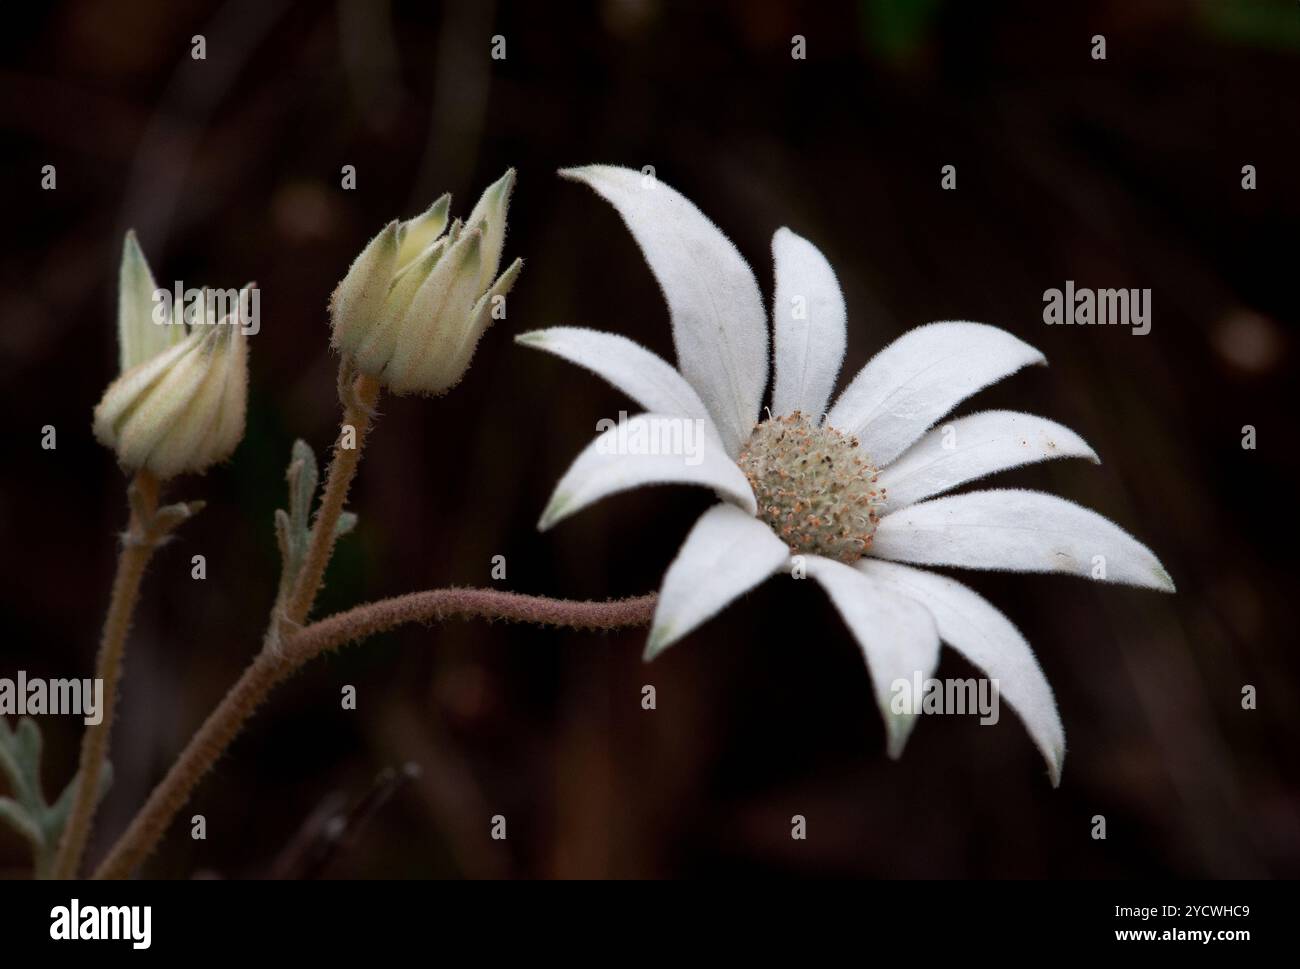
(1117, 173)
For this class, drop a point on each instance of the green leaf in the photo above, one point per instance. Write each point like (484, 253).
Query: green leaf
(304, 475)
(293, 527)
(29, 746)
(16, 816)
(167, 518)
(347, 521)
(283, 534)
(40, 823)
(20, 753)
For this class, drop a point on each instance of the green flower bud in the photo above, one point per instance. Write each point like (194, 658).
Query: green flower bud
(411, 309)
(179, 403)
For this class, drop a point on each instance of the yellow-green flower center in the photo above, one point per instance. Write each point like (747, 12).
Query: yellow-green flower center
(814, 486)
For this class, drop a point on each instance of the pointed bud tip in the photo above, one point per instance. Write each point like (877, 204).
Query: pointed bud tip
(506, 281)
(503, 186)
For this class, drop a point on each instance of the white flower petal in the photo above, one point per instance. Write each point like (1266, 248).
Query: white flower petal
(808, 318)
(921, 376)
(719, 327)
(897, 636)
(644, 376)
(725, 555)
(970, 448)
(971, 625)
(1017, 531)
(644, 450)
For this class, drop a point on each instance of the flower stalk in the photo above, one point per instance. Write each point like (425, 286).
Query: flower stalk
(149, 527)
(270, 667)
(358, 394)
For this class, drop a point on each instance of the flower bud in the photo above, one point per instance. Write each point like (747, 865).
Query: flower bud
(411, 309)
(179, 403)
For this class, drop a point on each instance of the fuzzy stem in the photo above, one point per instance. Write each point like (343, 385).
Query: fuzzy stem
(269, 668)
(435, 605)
(137, 547)
(358, 407)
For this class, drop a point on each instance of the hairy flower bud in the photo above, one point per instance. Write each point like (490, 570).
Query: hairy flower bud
(179, 403)
(411, 309)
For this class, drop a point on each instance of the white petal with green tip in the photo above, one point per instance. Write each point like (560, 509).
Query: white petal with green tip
(644, 376)
(989, 640)
(896, 634)
(1017, 531)
(726, 554)
(611, 464)
(719, 324)
(972, 447)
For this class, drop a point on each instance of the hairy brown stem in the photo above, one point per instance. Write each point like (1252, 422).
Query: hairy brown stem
(270, 667)
(359, 397)
(138, 545)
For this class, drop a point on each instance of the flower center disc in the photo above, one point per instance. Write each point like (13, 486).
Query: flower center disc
(814, 486)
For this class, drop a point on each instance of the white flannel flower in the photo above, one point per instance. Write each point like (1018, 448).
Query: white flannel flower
(847, 497)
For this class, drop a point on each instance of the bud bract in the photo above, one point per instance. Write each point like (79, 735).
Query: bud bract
(411, 309)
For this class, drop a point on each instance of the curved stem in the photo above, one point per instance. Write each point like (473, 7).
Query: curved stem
(137, 548)
(270, 667)
(435, 605)
(359, 399)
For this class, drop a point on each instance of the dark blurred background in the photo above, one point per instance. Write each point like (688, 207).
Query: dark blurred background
(1124, 172)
